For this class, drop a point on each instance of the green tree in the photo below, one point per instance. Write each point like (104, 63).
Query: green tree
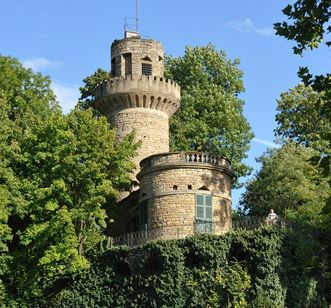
(309, 23)
(86, 99)
(25, 99)
(309, 26)
(301, 118)
(211, 114)
(60, 173)
(288, 183)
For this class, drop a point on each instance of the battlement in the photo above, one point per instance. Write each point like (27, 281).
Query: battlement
(145, 92)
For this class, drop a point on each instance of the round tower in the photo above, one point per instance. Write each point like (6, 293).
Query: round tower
(137, 97)
(182, 193)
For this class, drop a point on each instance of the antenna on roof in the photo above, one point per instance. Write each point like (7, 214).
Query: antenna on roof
(131, 24)
(137, 16)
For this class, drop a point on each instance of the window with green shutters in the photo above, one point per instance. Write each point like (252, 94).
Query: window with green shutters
(204, 213)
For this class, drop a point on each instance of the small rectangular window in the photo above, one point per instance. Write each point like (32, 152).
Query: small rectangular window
(146, 69)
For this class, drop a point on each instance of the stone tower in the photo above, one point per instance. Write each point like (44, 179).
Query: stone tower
(137, 97)
(180, 193)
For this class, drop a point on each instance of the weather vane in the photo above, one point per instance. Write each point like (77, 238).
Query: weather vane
(128, 25)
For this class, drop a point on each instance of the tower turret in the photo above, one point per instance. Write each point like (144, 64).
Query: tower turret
(137, 97)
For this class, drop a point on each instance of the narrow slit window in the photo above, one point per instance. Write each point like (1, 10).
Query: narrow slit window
(113, 66)
(128, 63)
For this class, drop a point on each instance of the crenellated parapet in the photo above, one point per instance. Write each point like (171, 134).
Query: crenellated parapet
(149, 92)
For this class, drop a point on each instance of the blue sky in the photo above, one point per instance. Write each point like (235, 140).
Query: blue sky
(69, 40)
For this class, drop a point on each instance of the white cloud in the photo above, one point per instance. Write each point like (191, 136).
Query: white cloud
(266, 142)
(38, 64)
(67, 95)
(247, 26)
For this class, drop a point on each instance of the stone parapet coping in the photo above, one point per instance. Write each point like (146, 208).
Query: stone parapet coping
(178, 160)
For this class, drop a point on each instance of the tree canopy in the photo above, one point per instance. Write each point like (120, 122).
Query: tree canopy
(86, 100)
(58, 174)
(302, 118)
(288, 183)
(309, 23)
(211, 114)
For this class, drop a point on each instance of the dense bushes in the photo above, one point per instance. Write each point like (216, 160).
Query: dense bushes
(268, 267)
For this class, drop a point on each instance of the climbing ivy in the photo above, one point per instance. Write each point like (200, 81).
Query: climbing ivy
(267, 267)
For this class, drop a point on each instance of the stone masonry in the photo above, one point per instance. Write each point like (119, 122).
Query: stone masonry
(138, 98)
(170, 181)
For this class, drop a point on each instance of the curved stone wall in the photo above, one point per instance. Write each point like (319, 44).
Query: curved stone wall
(169, 184)
(142, 51)
(143, 92)
(151, 129)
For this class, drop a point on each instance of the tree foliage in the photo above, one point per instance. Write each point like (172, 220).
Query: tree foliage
(288, 183)
(86, 100)
(58, 172)
(310, 23)
(211, 114)
(302, 117)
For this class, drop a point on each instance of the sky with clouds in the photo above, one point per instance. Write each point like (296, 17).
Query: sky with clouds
(69, 40)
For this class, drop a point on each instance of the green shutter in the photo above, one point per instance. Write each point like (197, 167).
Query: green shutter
(209, 214)
(208, 200)
(200, 200)
(200, 214)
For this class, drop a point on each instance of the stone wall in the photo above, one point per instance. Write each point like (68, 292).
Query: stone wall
(151, 128)
(170, 183)
(137, 102)
(142, 51)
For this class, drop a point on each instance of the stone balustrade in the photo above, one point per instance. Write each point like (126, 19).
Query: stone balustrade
(175, 158)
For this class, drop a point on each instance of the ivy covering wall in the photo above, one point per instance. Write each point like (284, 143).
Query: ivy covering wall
(267, 267)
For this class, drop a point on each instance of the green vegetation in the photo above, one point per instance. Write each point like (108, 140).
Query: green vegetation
(301, 118)
(61, 174)
(288, 183)
(57, 173)
(268, 267)
(211, 114)
(309, 23)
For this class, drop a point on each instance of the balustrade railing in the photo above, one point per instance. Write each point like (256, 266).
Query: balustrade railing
(198, 227)
(202, 158)
(184, 157)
